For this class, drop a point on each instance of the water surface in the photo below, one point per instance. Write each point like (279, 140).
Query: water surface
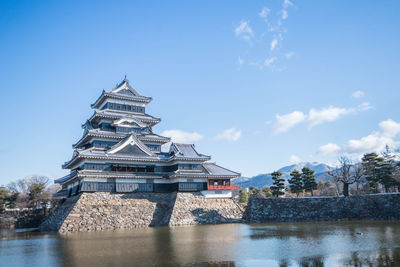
(279, 244)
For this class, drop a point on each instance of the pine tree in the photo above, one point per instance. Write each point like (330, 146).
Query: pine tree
(4, 194)
(308, 178)
(278, 185)
(267, 191)
(256, 193)
(384, 174)
(370, 164)
(387, 170)
(243, 196)
(296, 183)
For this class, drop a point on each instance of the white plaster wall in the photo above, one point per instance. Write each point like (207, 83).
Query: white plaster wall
(212, 194)
(126, 102)
(102, 180)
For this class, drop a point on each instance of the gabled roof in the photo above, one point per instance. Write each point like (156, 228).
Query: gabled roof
(214, 169)
(130, 145)
(98, 133)
(65, 178)
(186, 151)
(123, 121)
(152, 137)
(116, 115)
(125, 88)
(87, 126)
(123, 91)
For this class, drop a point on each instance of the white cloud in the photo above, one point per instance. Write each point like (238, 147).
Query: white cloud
(179, 136)
(244, 31)
(269, 61)
(287, 3)
(275, 26)
(315, 116)
(358, 94)
(285, 14)
(289, 55)
(390, 128)
(240, 60)
(364, 106)
(374, 142)
(285, 122)
(329, 149)
(264, 12)
(273, 44)
(294, 159)
(328, 114)
(231, 134)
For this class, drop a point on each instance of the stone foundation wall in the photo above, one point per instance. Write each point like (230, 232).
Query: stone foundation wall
(106, 211)
(56, 219)
(194, 208)
(366, 207)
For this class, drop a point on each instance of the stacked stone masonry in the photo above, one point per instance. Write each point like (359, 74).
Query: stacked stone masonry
(366, 207)
(106, 211)
(194, 208)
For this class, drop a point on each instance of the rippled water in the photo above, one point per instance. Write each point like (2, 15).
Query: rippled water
(283, 244)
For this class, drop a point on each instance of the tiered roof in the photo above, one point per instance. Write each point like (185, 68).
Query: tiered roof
(131, 146)
(123, 91)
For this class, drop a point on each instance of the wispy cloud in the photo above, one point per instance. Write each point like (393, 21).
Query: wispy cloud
(358, 94)
(376, 141)
(329, 149)
(364, 106)
(180, 136)
(244, 31)
(288, 121)
(285, 14)
(269, 61)
(287, 3)
(293, 159)
(315, 116)
(273, 44)
(328, 114)
(271, 38)
(231, 134)
(264, 12)
(240, 60)
(289, 55)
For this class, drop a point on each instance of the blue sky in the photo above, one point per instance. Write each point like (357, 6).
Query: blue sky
(255, 84)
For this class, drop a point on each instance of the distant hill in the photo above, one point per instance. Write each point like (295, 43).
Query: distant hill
(261, 180)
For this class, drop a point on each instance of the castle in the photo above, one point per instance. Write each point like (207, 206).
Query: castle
(120, 153)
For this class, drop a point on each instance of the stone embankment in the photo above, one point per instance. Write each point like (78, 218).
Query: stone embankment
(104, 211)
(366, 207)
(194, 208)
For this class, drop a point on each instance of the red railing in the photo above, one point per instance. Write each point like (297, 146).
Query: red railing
(222, 187)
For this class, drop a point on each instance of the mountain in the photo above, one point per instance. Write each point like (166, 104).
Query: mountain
(261, 180)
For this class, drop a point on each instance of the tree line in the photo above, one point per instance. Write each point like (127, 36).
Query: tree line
(374, 174)
(30, 193)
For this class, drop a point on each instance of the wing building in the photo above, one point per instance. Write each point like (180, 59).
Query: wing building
(119, 153)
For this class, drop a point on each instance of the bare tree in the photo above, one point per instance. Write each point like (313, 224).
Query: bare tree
(357, 173)
(32, 191)
(344, 174)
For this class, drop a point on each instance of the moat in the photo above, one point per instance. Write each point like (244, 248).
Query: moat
(356, 243)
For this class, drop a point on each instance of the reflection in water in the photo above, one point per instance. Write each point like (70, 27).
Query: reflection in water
(278, 244)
